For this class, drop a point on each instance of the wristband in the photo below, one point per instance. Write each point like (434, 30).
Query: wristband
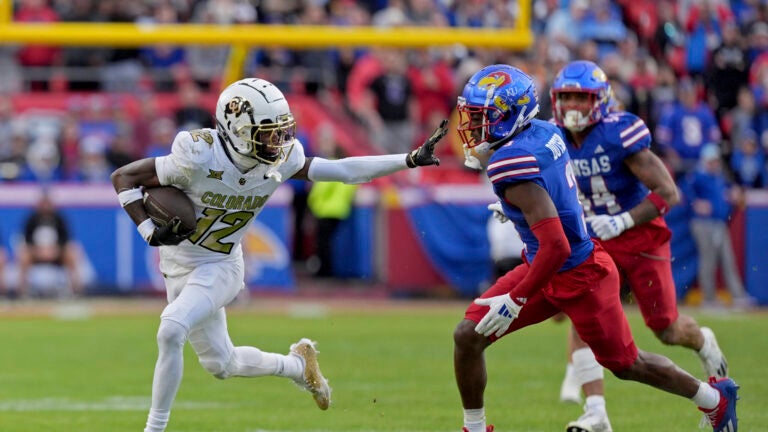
(659, 202)
(146, 229)
(409, 159)
(129, 195)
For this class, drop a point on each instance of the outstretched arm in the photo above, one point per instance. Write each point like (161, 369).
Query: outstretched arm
(361, 169)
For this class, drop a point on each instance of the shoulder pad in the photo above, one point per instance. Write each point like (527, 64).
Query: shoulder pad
(195, 146)
(627, 130)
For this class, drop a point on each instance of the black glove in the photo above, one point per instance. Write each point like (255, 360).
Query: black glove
(169, 234)
(425, 154)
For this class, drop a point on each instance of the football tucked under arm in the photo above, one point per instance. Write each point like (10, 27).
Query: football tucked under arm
(171, 210)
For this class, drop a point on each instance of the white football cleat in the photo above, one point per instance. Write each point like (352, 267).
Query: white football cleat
(712, 359)
(570, 390)
(590, 421)
(313, 380)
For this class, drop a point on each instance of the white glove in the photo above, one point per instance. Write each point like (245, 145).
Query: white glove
(503, 311)
(607, 227)
(498, 212)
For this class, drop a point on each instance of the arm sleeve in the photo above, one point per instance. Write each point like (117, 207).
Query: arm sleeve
(355, 170)
(553, 251)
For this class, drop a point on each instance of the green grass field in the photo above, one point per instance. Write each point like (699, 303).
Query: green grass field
(390, 366)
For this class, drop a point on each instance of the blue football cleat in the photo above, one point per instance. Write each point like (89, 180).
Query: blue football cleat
(723, 418)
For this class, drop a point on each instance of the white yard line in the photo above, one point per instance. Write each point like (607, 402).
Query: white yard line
(116, 403)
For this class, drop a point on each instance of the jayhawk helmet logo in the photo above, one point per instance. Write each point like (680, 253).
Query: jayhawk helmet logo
(599, 75)
(495, 79)
(499, 103)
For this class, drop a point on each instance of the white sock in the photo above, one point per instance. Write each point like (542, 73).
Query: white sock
(595, 403)
(474, 420)
(251, 362)
(706, 397)
(706, 347)
(157, 420)
(168, 371)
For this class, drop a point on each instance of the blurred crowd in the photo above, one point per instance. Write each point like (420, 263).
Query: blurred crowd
(696, 71)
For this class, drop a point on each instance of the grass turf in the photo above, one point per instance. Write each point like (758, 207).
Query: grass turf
(390, 367)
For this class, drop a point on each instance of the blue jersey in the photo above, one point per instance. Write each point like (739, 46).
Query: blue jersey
(687, 130)
(606, 184)
(538, 154)
(711, 187)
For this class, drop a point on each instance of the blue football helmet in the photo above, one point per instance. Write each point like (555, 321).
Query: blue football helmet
(496, 103)
(584, 77)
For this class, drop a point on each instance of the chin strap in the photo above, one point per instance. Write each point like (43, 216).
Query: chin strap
(471, 161)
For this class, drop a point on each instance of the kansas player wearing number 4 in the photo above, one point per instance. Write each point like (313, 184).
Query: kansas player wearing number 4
(564, 270)
(229, 173)
(625, 192)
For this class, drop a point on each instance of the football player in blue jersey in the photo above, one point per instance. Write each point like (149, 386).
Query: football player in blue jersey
(529, 168)
(625, 191)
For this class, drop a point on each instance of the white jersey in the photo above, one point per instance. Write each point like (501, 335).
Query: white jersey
(226, 200)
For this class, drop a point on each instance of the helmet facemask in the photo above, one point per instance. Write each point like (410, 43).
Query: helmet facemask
(573, 115)
(475, 125)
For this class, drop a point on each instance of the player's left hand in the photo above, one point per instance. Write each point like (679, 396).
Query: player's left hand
(607, 227)
(498, 212)
(425, 154)
(170, 234)
(503, 310)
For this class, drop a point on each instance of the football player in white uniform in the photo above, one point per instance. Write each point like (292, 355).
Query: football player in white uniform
(229, 173)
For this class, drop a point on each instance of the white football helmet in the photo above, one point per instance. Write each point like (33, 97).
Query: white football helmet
(254, 120)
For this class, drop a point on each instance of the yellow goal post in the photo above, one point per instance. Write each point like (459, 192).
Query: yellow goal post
(243, 37)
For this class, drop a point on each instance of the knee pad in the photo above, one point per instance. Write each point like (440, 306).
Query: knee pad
(171, 335)
(217, 362)
(585, 366)
(215, 366)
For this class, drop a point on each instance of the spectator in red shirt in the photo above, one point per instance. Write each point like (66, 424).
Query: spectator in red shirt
(37, 11)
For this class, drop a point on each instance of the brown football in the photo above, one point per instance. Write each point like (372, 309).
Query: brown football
(166, 202)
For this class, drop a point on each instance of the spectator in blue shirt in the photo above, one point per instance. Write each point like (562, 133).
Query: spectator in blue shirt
(685, 127)
(712, 200)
